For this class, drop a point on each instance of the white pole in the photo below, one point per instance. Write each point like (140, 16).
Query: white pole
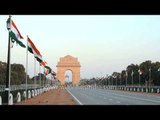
(40, 74)
(9, 84)
(26, 67)
(44, 77)
(34, 72)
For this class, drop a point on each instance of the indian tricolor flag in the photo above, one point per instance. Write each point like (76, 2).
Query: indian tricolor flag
(48, 70)
(15, 35)
(32, 49)
(44, 63)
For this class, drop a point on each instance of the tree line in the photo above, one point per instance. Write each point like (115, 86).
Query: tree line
(18, 74)
(147, 73)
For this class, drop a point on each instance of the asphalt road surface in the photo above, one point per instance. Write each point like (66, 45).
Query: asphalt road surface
(88, 96)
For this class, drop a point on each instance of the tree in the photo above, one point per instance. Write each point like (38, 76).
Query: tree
(18, 74)
(133, 68)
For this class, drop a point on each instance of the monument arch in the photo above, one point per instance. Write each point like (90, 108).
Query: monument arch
(68, 63)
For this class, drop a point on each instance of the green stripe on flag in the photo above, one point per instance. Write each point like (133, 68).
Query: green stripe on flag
(49, 69)
(13, 37)
(39, 60)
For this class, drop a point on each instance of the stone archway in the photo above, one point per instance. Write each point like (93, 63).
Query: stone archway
(68, 63)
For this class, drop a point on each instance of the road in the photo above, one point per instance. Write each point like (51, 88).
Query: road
(88, 96)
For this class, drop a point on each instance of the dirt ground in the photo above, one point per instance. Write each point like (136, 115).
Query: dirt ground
(53, 97)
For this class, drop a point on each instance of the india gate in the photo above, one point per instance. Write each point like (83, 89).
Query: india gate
(68, 63)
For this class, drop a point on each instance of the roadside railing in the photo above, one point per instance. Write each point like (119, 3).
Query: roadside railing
(19, 93)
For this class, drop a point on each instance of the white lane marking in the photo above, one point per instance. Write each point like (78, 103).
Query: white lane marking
(138, 98)
(75, 97)
(104, 98)
(110, 99)
(133, 97)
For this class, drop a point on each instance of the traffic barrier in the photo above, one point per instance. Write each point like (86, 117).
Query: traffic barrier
(35, 92)
(32, 93)
(157, 90)
(24, 94)
(18, 97)
(152, 90)
(44, 89)
(146, 90)
(142, 90)
(134, 89)
(38, 91)
(29, 94)
(10, 99)
(41, 90)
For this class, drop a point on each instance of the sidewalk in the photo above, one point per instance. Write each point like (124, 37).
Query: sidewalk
(54, 97)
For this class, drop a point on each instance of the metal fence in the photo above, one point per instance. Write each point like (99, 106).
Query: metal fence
(19, 87)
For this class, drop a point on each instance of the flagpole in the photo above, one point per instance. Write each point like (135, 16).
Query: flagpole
(44, 77)
(8, 65)
(26, 67)
(9, 74)
(40, 74)
(34, 72)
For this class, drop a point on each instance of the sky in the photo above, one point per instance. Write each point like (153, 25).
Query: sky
(103, 44)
